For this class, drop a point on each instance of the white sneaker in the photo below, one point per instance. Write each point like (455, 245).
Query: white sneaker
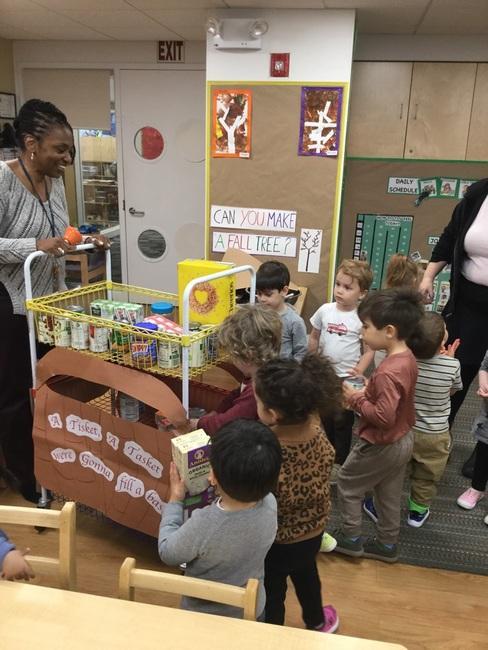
(486, 520)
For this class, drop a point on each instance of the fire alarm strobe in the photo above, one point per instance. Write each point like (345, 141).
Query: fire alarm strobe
(280, 65)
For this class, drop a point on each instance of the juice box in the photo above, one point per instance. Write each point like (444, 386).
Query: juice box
(210, 302)
(191, 457)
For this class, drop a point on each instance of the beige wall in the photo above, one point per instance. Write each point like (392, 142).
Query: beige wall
(7, 84)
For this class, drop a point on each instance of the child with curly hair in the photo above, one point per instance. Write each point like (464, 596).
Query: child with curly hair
(291, 398)
(251, 336)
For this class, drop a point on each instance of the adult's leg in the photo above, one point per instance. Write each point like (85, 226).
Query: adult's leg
(480, 474)
(15, 410)
(306, 581)
(468, 373)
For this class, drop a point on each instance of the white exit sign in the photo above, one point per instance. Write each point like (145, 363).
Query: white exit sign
(171, 51)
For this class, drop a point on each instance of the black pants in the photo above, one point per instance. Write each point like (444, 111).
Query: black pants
(297, 561)
(339, 433)
(480, 475)
(15, 409)
(468, 322)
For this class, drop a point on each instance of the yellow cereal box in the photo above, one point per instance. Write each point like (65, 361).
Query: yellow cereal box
(210, 302)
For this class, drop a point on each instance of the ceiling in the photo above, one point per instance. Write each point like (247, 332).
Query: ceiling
(148, 20)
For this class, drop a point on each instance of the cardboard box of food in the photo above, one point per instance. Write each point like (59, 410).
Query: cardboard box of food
(191, 457)
(210, 302)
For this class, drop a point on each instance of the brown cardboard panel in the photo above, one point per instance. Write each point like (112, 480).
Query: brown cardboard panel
(277, 177)
(365, 192)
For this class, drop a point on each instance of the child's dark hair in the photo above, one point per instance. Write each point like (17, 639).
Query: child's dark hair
(272, 275)
(245, 456)
(38, 118)
(399, 307)
(296, 390)
(427, 338)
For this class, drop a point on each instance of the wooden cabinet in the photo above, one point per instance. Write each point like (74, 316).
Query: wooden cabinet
(378, 109)
(478, 129)
(440, 110)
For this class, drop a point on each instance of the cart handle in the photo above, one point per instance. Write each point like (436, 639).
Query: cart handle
(28, 296)
(185, 350)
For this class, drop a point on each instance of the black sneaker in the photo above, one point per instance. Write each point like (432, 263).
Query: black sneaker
(375, 550)
(417, 519)
(369, 509)
(346, 545)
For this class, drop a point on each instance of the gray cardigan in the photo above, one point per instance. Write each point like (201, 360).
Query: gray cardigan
(480, 425)
(22, 222)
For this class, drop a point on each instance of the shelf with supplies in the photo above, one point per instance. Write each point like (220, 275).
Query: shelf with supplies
(68, 319)
(100, 193)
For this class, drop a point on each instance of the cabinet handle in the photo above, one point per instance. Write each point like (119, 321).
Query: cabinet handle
(415, 111)
(136, 213)
(401, 111)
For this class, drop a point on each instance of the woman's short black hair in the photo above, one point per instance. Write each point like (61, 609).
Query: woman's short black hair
(245, 456)
(272, 275)
(399, 307)
(38, 118)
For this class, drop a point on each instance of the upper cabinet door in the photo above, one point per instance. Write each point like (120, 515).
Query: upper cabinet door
(378, 109)
(478, 128)
(440, 109)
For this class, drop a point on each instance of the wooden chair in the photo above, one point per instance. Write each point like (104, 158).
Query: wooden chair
(65, 520)
(87, 274)
(244, 597)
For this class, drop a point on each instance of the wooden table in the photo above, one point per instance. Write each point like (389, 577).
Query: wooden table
(52, 619)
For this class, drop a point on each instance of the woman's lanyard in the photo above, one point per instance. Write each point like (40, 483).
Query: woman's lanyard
(49, 216)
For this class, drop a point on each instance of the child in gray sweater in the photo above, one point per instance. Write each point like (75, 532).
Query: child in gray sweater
(228, 540)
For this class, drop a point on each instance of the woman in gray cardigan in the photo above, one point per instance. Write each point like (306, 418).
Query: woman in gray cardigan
(475, 493)
(33, 216)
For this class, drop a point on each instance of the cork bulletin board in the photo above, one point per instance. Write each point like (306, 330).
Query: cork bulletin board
(276, 177)
(407, 227)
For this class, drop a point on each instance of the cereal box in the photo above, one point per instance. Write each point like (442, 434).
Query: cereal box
(191, 457)
(210, 302)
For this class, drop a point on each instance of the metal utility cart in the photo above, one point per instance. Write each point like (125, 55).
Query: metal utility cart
(55, 306)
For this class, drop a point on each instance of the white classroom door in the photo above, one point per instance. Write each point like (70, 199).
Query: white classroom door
(164, 190)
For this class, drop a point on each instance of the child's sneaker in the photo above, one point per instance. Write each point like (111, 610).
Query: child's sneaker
(348, 546)
(486, 520)
(417, 519)
(470, 498)
(328, 543)
(331, 620)
(375, 550)
(369, 509)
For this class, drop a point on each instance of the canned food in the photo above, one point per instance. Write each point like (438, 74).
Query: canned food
(211, 345)
(119, 341)
(62, 332)
(169, 354)
(102, 309)
(129, 407)
(98, 338)
(79, 330)
(197, 348)
(162, 422)
(143, 350)
(45, 329)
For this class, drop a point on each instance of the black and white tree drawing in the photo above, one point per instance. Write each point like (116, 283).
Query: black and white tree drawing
(310, 245)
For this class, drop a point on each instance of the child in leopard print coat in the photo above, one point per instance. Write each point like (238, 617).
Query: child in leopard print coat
(291, 397)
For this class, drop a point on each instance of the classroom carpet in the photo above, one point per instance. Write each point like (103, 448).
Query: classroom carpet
(452, 538)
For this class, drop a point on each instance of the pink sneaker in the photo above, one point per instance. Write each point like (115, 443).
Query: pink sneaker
(470, 498)
(331, 620)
